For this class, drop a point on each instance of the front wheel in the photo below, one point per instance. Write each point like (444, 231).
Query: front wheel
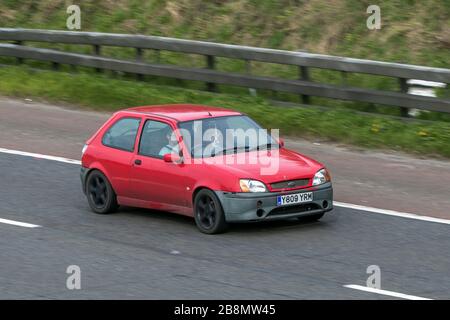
(208, 213)
(100, 194)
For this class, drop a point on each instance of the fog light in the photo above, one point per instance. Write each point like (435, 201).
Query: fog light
(260, 213)
(325, 204)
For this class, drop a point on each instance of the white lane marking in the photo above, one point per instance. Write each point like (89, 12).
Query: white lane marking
(390, 212)
(385, 292)
(40, 156)
(18, 223)
(336, 203)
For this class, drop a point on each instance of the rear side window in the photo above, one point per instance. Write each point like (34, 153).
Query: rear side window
(122, 134)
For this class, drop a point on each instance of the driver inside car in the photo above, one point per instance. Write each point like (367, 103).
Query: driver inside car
(171, 146)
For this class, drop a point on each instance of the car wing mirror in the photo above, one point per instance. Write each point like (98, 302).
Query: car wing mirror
(172, 157)
(281, 142)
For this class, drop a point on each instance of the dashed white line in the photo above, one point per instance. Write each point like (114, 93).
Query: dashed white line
(40, 156)
(19, 224)
(390, 212)
(335, 203)
(385, 292)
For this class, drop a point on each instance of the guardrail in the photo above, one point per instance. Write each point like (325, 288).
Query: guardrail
(304, 61)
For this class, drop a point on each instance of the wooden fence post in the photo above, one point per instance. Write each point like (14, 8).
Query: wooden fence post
(404, 89)
(210, 64)
(139, 58)
(19, 43)
(304, 75)
(97, 52)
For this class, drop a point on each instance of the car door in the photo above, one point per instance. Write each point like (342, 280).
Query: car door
(151, 178)
(116, 157)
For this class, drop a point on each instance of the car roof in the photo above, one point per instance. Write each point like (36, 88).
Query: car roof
(184, 112)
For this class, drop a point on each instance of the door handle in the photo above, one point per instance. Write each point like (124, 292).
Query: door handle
(138, 162)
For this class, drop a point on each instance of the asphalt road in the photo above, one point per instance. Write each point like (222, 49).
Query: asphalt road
(387, 180)
(142, 254)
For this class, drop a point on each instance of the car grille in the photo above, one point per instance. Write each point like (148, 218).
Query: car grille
(294, 209)
(289, 184)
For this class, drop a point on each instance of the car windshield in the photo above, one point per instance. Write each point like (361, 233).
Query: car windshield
(223, 135)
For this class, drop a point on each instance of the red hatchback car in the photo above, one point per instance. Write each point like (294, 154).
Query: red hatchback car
(214, 164)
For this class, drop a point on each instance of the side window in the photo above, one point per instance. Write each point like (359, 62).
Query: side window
(122, 134)
(157, 139)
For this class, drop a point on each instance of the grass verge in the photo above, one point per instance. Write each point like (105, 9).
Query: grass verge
(101, 92)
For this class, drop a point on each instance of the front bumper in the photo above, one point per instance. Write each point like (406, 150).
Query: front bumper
(243, 206)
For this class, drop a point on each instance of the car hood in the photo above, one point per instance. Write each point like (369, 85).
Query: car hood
(267, 166)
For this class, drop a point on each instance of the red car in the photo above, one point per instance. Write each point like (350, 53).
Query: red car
(214, 164)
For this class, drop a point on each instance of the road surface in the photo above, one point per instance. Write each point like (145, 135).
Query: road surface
(46, 226)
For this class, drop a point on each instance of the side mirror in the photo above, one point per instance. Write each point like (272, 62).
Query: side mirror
(281, 142)
(170, 157)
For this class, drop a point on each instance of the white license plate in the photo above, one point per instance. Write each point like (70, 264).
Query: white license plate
(294, 198)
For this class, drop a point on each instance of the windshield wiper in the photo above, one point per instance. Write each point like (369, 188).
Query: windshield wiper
(234, 149)
(265, 146)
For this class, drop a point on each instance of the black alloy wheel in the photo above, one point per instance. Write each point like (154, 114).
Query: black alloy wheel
(208, 213)
(101, 196)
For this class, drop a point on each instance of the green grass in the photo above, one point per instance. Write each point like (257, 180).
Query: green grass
(413, 31)
(101, 92)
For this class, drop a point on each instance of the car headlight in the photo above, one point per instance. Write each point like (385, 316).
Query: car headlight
(252, 186)
(321, 177)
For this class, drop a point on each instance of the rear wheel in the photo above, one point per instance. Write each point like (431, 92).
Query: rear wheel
(312, 218)
(100, 194)
(208, 213)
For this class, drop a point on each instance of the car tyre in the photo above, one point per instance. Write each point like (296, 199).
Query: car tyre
(208, 213)
(101, 196)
